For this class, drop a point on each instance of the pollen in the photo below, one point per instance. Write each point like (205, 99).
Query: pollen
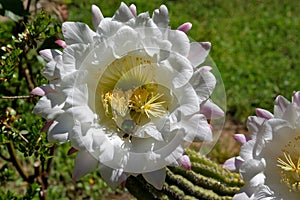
(148, 103)
(116, 102)
(289, 166)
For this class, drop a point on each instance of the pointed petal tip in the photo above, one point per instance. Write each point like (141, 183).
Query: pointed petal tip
(206, 45)
(185, 162)
(241, 138)
(207, 68)
(211, 110)
(38, 91)
(186, 27)
(61, 43)
(132, 8)
(296, 98)
(263, 113)
(97, 16)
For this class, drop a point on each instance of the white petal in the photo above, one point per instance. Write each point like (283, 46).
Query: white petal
(123, 14)
(296, 98)
(211, 110)
(204, 83)
(233, 164)
(156, 178)
(97, 16)
(113, 177)
(280, 105)
(161, 16)
(242, 196)
(52, 72)
(246, 151)
(84, 164)
(254, 124)
(250, 168)
(108, 28)
(180, 42)
(50, 106)
(198, 52)
(291, 114)
(81, 137)
(60, 129)
(264, 192)
(183, 71)
(77, 104)
(49, 54)
(73, 57)
(124, 41)
(195, 127)
(76, 32)
(151, 130)
(187, 99)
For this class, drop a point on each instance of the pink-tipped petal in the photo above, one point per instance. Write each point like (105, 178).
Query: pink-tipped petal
(198, 52)
(206, 68)
(264, 113)
(42, 90)
(132, 8)
(211, 110)
(296, 98)
(96, 16)
(233, 164)
(186, 27)
(185, 162)
(38, 91)
(61, 43)
(72, 150)
(241, 138)
(281, 102)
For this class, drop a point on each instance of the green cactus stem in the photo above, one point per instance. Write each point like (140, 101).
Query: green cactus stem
(206, 180)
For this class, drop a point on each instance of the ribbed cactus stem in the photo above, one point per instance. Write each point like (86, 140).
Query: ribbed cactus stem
(206, 180)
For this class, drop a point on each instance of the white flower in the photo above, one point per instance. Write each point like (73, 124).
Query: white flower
(127, 95)
(269, 160)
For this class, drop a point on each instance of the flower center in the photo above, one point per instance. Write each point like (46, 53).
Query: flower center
(129, 94)
(138, 105)
(290, 165)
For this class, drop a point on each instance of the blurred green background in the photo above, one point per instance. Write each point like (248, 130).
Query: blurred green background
(255, 45)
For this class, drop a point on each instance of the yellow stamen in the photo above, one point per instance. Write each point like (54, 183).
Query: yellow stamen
(290, 172)
(145, 102)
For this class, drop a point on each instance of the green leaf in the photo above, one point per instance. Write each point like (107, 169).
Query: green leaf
(14, 6)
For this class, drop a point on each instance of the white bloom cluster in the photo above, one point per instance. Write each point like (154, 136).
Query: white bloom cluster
(269, 159)
(128, 96)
